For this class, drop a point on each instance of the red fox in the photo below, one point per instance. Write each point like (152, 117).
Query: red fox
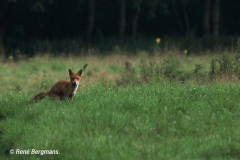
(63, 88)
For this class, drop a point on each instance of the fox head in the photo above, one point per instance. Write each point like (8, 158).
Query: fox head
(75, 77)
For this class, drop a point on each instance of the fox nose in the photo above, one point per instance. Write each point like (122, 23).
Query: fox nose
(74, 83)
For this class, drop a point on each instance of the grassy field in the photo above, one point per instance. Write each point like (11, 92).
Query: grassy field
(119, 114)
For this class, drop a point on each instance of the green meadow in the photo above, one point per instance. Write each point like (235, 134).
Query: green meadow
(174, 106)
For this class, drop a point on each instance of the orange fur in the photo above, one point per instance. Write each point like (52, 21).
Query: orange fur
(63, 88)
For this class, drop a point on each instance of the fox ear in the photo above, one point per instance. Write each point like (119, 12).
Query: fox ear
(70, 72)
(79, 72)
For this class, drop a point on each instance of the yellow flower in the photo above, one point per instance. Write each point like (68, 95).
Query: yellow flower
(158, 40)
(10, 57)
(185, 51)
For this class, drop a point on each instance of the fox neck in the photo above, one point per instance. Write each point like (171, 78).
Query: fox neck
(74, 88)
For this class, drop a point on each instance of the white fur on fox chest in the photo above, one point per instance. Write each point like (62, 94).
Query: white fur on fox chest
(74, 90)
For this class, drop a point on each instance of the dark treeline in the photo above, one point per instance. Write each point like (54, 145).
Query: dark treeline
(91, 20)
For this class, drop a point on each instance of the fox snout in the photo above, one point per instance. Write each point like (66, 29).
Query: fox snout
(75, 83)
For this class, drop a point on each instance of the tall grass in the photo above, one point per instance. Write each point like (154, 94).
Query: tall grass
(39, 73)
(223, 68)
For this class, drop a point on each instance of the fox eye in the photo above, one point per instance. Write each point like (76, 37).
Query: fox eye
(74, 79)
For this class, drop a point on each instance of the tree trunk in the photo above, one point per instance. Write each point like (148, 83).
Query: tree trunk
(2, 53)
(91, 19)
(206, 18)
(216, 16)
(122, 23)
(177, 16)
(5, 16)
(186, 18)
(134, 23)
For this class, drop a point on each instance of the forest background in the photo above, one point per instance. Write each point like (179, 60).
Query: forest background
(30, 27)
